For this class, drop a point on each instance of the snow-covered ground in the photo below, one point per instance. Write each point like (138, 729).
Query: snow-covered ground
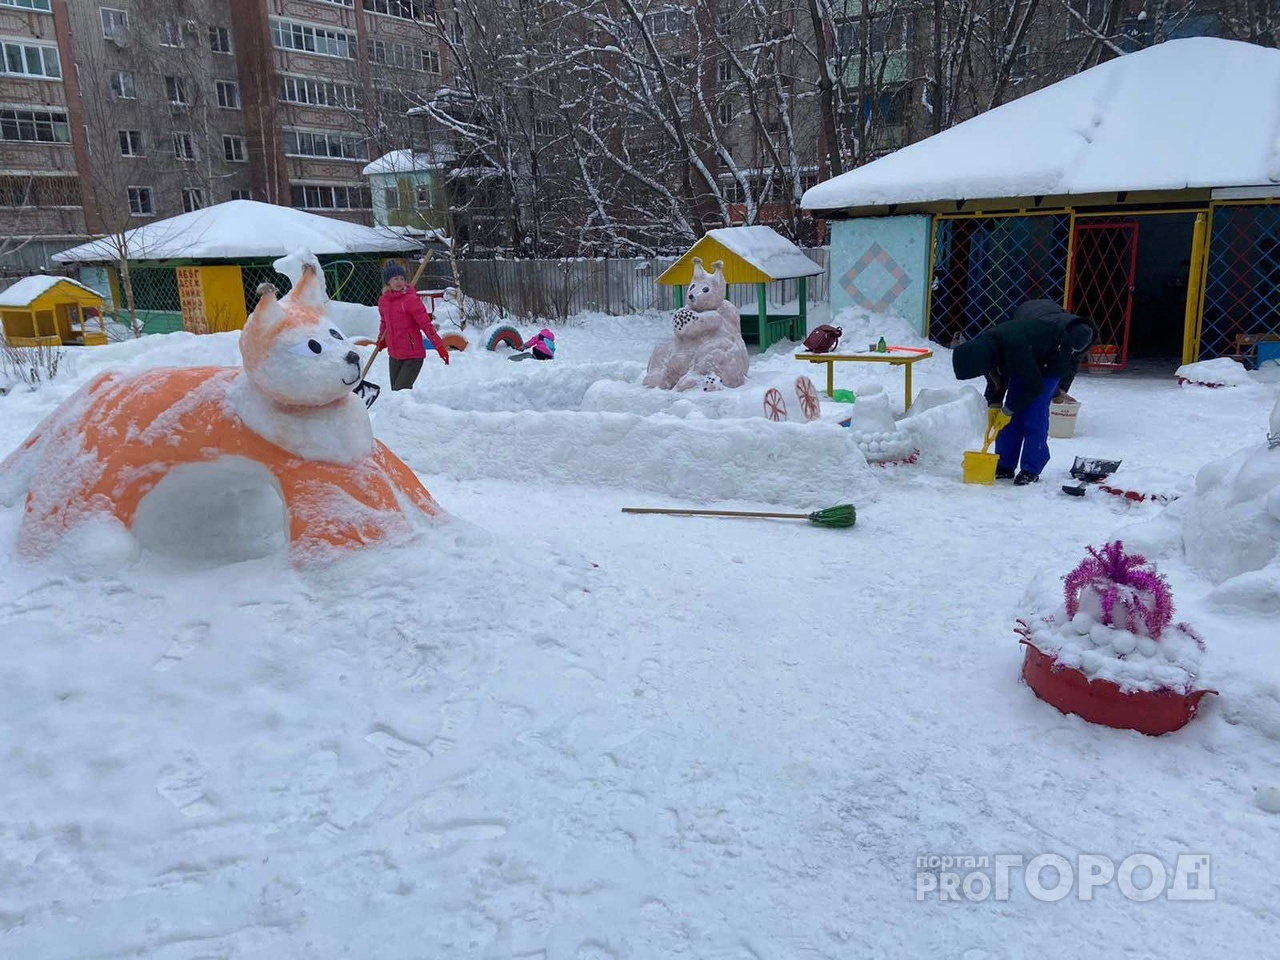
(545, 729)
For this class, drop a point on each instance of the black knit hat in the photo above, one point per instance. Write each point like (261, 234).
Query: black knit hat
(391, 271)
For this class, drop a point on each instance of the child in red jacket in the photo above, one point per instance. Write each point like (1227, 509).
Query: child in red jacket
(402, 321)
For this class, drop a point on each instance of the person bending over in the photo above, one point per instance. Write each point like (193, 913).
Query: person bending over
(1027, 359)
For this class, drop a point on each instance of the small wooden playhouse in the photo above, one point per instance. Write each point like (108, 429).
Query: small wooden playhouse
(51, 311)
(759, 256)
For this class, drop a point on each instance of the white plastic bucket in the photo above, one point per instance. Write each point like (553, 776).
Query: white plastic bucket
(1062, 418)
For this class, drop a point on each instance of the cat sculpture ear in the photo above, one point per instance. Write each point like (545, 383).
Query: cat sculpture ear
(717, 268)
(698, 271)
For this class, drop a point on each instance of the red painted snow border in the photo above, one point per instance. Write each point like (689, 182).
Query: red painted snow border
(1137, 496)
(1183, 381)
(1152, 712)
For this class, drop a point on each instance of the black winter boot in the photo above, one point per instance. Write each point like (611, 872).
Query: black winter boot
(1025, 478)
(1003, 474)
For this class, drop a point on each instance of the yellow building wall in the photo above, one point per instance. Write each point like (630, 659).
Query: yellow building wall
(736, 270)
(212, 299)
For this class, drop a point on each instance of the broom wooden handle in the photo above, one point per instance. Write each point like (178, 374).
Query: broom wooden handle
(715, 513)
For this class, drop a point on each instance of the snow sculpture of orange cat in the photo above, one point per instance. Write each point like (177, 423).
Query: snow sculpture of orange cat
(290, 409)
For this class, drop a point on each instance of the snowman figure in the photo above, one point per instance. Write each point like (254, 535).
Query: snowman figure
(706, 351)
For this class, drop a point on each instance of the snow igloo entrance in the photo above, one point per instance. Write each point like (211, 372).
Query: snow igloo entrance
(224, 511)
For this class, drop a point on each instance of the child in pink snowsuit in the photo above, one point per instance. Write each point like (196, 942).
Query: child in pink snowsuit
(542, 345)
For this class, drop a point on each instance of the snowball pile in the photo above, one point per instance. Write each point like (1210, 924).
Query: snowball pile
(873, 429)
(1116, 624)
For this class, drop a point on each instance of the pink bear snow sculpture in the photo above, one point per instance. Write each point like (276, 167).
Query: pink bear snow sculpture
(707, 351)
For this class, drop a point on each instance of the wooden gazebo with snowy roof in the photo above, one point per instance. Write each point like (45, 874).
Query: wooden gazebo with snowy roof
(759, 256)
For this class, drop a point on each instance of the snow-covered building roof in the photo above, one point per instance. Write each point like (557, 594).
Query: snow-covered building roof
(241, 229)
(1196, 113)
(756, 254)
(409, 161)
(30, 289)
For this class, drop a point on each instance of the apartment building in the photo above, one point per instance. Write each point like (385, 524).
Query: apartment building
(119, 111)
(41, 201)
(328, 86)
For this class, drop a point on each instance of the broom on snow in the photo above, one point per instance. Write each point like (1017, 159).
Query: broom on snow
(840, 516)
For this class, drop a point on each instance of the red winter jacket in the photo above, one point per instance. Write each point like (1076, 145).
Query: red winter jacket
(402, 322)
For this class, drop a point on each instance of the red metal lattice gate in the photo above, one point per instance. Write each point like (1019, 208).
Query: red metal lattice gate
(1104, 263)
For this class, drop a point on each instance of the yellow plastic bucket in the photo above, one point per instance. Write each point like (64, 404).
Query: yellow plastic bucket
(980, 467)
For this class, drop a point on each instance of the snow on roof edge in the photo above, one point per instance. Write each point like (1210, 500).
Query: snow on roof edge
(1169, 117)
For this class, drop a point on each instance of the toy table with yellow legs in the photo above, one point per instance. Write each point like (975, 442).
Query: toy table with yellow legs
(895, 356)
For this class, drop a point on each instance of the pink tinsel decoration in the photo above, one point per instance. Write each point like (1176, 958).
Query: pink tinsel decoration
(1122, 579)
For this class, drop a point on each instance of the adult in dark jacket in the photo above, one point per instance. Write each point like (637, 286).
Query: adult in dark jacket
(402, 322)
(1027, 359)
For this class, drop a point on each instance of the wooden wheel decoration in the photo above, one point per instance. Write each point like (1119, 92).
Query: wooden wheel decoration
(808, 398)
(775, 408)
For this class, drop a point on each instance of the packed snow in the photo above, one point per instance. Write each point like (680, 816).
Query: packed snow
(767, 250)
(240, 229)
(545, 729)
(28, 289)
(1170, 117)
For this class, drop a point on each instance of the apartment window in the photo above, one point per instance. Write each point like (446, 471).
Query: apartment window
(402, 55)
(887, 35)
(340, 3)
(724, 112)
(192, 199)
(423, 194)
(142, 201)
(122, 85)
(545, 127)
(228, 94)
(291, 35)
(724, 71)
(724, 22)
(35, 126)
(170, 34)
(405, 9)
(28, 4)
(317, 93)
(24, 192)
(666, 22)
(184, 146)
(233, 149)
(31, 60)
(176, 90)
(219, 39)
(115, 23)
(337, 146)
(322, 197)
(131, 143)
(241, 194)
(391, 197)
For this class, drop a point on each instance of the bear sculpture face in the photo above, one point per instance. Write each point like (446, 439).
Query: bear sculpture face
(706, 290)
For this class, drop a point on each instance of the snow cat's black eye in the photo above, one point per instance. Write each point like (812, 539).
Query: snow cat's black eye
(315, 346)
(706, 289)
(335, 334)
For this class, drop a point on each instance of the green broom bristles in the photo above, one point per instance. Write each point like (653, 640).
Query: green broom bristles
(843, 515)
